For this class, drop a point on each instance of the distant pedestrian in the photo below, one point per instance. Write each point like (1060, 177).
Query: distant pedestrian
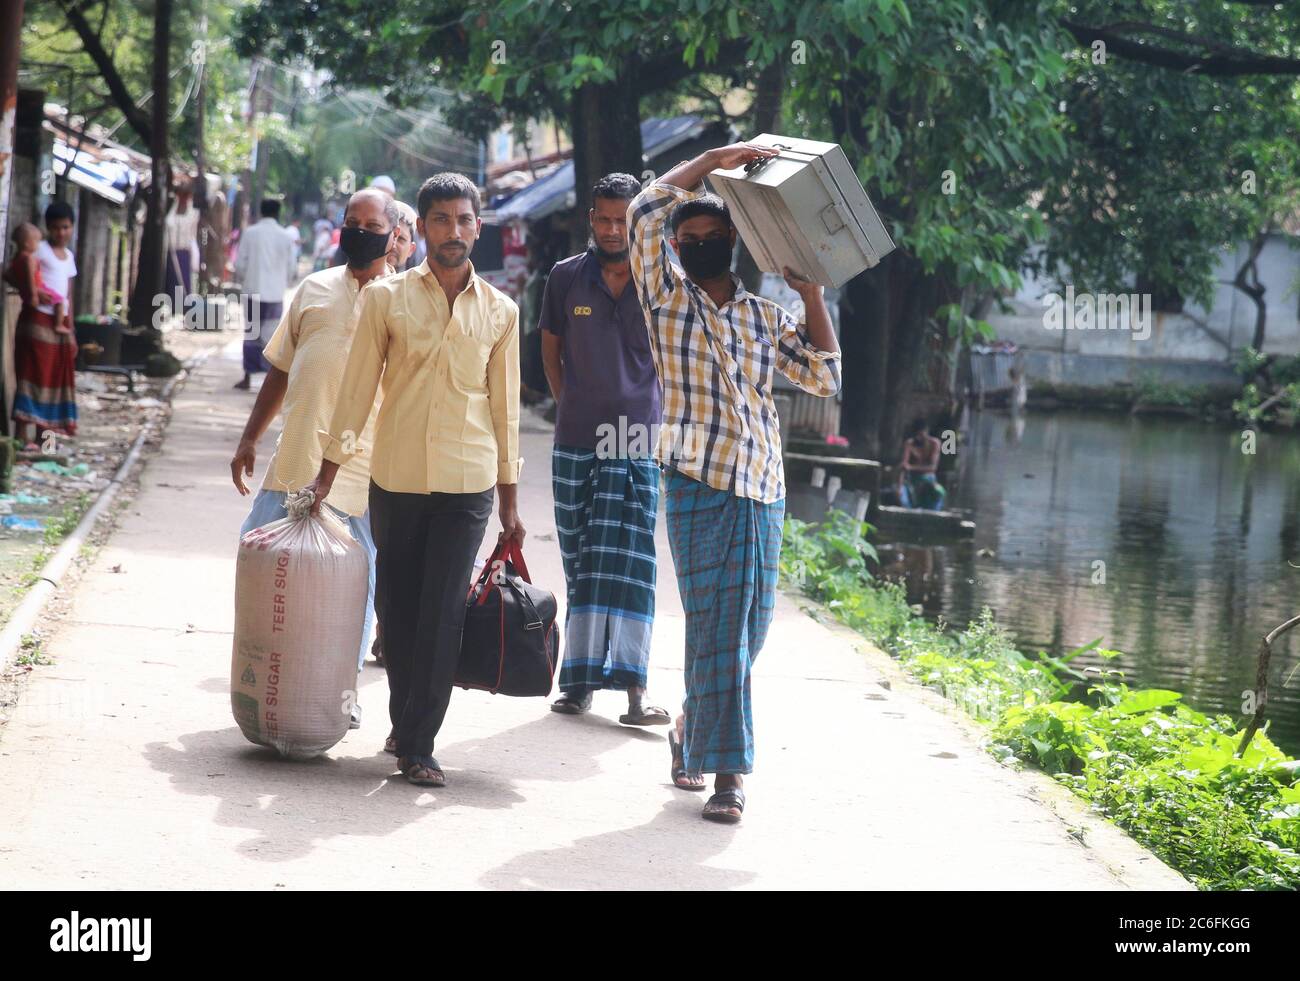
(265, 266)
(294, 228)
(182, 246)
(402, 254)
(213, 231)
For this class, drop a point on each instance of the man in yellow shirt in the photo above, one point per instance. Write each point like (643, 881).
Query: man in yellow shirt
(307, 354)
(445, 344)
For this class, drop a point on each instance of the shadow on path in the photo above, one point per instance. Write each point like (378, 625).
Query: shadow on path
(668, 852)
(291, 806)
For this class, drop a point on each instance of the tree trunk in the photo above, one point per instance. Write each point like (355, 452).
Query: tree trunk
(1253, 288)
(11, 21)
(263, 152)
(918, 355)
(893, 363)
(200, 188)
(108, 71)
(864, 347)
(606, 127)
(153, 244)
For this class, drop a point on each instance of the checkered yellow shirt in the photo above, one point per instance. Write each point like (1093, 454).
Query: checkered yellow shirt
(719, 421)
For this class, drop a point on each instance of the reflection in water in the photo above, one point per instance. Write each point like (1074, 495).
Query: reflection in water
(1159, 536)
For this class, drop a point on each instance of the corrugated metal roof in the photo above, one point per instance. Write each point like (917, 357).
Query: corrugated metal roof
(99, 164)
(554, 192)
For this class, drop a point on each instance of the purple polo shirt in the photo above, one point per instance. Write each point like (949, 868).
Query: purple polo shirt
(609, 371)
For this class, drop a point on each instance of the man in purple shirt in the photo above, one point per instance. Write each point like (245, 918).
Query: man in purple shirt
(596, 351)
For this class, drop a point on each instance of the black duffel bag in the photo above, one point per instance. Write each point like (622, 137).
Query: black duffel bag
(510, 644)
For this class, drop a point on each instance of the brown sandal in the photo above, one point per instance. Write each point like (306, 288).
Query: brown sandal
(423, 771)
(645, 715)
(679, 766)
(720, 806)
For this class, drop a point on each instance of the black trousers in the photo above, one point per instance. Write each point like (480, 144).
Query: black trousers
(425, 546)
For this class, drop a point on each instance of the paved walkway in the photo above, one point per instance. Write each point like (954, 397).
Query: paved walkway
(122, 767)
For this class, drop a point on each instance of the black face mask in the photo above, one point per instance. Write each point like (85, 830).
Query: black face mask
(708, 259)
(363, 247)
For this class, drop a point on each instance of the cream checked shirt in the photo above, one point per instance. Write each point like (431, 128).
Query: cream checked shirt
(311, 345)
(449, 422)
(716, 364)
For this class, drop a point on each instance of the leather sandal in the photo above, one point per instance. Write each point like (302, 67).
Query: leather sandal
(423, 771)
(679, 766)
(572, 703)
(720, 805)
(645, 715)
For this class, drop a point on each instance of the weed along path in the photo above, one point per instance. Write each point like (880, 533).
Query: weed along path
(123, 767)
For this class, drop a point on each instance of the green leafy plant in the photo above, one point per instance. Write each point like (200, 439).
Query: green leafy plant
(30, 653)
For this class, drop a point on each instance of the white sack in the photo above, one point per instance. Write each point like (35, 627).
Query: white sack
(300, 605)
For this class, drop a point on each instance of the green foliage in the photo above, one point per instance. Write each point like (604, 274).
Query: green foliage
(1256, 405)
(1169, 775)
(53, 58)
(30, 652)
(1164, 772)
(1263, 403)
(952, 152)
(58, 528)
(1167, 167)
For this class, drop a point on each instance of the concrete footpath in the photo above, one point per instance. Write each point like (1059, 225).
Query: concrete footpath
(122, 767)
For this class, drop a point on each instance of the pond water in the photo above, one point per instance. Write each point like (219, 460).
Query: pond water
(1158, 535)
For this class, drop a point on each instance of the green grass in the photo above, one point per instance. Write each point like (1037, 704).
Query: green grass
(1159, 769)
(60, 527)
(30, 653)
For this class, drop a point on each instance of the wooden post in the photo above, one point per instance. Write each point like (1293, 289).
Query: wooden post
(11, 22)
(1261, 682)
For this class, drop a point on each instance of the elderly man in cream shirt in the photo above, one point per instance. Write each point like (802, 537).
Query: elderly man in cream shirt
(308, 353)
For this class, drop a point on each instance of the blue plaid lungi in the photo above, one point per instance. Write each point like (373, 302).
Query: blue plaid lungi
(605, 512)
(726, 550)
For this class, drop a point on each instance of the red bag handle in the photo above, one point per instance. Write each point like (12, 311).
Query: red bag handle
(515, 554)
(477, 589)
(506, 551)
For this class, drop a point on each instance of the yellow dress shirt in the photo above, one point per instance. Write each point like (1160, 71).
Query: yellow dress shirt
(311, 345)
(449, 422)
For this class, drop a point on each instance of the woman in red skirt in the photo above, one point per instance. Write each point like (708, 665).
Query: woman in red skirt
(45, 398)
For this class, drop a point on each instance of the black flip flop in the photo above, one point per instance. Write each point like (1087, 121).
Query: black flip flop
(734, 797)
(567, 704)
(390, 744)
(679, 768)
(646, 715)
